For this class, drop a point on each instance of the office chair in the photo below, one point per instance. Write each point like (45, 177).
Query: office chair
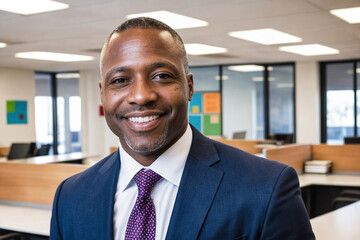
(43, 150)
(346, 197)
(352, 140)
(20, 150)
(284, 137)
(6, 235)
(239, 135)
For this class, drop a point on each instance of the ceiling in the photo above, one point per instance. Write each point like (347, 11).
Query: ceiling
(83, 28)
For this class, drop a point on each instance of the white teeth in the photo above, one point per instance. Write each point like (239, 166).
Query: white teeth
(143, 119)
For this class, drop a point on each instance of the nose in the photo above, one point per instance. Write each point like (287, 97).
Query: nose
(142, 92)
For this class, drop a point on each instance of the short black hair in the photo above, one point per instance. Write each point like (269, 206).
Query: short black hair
(145, 22)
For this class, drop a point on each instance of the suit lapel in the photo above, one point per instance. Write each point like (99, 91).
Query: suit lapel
(197, 190)
(107, 179)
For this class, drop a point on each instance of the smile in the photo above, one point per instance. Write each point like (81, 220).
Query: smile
(143, 119)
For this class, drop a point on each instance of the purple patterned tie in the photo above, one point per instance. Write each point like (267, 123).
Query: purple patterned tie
(141, 224)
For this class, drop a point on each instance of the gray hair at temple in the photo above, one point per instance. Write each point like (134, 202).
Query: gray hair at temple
(144, 22)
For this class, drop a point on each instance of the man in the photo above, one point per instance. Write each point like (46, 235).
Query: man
(203, 189)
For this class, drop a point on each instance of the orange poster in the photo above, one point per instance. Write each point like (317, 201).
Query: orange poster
(212, 103)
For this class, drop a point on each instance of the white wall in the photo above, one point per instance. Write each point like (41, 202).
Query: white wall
(96, 135)
(307, 102)
(17, 84)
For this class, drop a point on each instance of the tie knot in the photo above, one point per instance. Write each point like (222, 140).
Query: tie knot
(146, 180)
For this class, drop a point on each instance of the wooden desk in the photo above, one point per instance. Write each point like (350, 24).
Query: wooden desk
(25, 219)
(76, 157)
(340, 224)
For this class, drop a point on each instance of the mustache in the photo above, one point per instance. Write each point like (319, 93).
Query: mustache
(136, 108)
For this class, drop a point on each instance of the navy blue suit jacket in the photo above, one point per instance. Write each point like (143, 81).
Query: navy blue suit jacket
(224, 193)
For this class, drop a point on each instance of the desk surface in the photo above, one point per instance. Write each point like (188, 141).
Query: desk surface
(329, 180)
(25, 219)
(51, 158)
(339, 224)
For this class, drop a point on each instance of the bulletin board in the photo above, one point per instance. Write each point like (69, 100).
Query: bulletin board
(205, 113)
(16, 112)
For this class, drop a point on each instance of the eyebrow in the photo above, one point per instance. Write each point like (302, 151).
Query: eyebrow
(151, 66)
(166, 65)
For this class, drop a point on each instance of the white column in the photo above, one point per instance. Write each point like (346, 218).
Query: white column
(307, 102)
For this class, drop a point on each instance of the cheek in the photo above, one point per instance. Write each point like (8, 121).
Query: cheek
(112, 100)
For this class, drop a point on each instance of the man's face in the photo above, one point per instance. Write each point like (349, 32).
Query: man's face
(144, 91)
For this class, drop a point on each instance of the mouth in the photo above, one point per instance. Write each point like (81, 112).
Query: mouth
(143, 119)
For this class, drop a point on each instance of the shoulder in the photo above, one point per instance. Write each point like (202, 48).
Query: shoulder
(90, 176)
(250, 169)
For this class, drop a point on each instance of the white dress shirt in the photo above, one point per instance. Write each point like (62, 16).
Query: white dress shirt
(170, 165)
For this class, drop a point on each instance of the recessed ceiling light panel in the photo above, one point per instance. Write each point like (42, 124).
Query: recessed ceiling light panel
(174, 20)
(350, 15)
(2, 45)
(310, 50)
(266, 36)
(203, 49)
(246, 68)
(27, 7)
(51, 56)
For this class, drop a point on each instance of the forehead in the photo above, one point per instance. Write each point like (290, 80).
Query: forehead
(139, 45)
(139, 40)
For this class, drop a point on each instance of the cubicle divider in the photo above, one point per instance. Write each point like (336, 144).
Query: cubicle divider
(33, 183)
(245, 145)
(344, 157)
(293, 155)
(4, 151)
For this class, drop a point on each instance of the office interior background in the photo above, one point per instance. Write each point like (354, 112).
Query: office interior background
(262, 89)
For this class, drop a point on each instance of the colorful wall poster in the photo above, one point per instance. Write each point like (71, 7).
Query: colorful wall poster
(212, 125)
(196, 103)
(195, 121)
(16, 112)
(212, 103)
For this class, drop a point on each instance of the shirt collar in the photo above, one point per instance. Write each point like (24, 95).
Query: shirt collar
(169, 165)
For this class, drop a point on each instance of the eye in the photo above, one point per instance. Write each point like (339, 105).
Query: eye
(162, 76)
(118, 81)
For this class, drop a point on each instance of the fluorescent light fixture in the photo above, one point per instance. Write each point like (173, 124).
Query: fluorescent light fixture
(27, 7)
(246, 68)
(203, 49)
(2, 45)
(224, 77)
(260, 79)
(67, 75)
(350, 15)
(284, 85)
(266, 36)
(51, 56)
(351, 71)
(174, 20)
(310, 50)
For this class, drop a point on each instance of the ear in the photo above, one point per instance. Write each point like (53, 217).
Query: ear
(101, 88)
(190, 82)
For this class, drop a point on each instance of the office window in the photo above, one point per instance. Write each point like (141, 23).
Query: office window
(281, 99)
(243, 102)
(357, 79)
(43, 110)
(340, 92)
(251, 101)
(58, 122)
(68, 112)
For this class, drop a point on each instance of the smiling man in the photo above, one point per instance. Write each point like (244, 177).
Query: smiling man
(167, 180)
